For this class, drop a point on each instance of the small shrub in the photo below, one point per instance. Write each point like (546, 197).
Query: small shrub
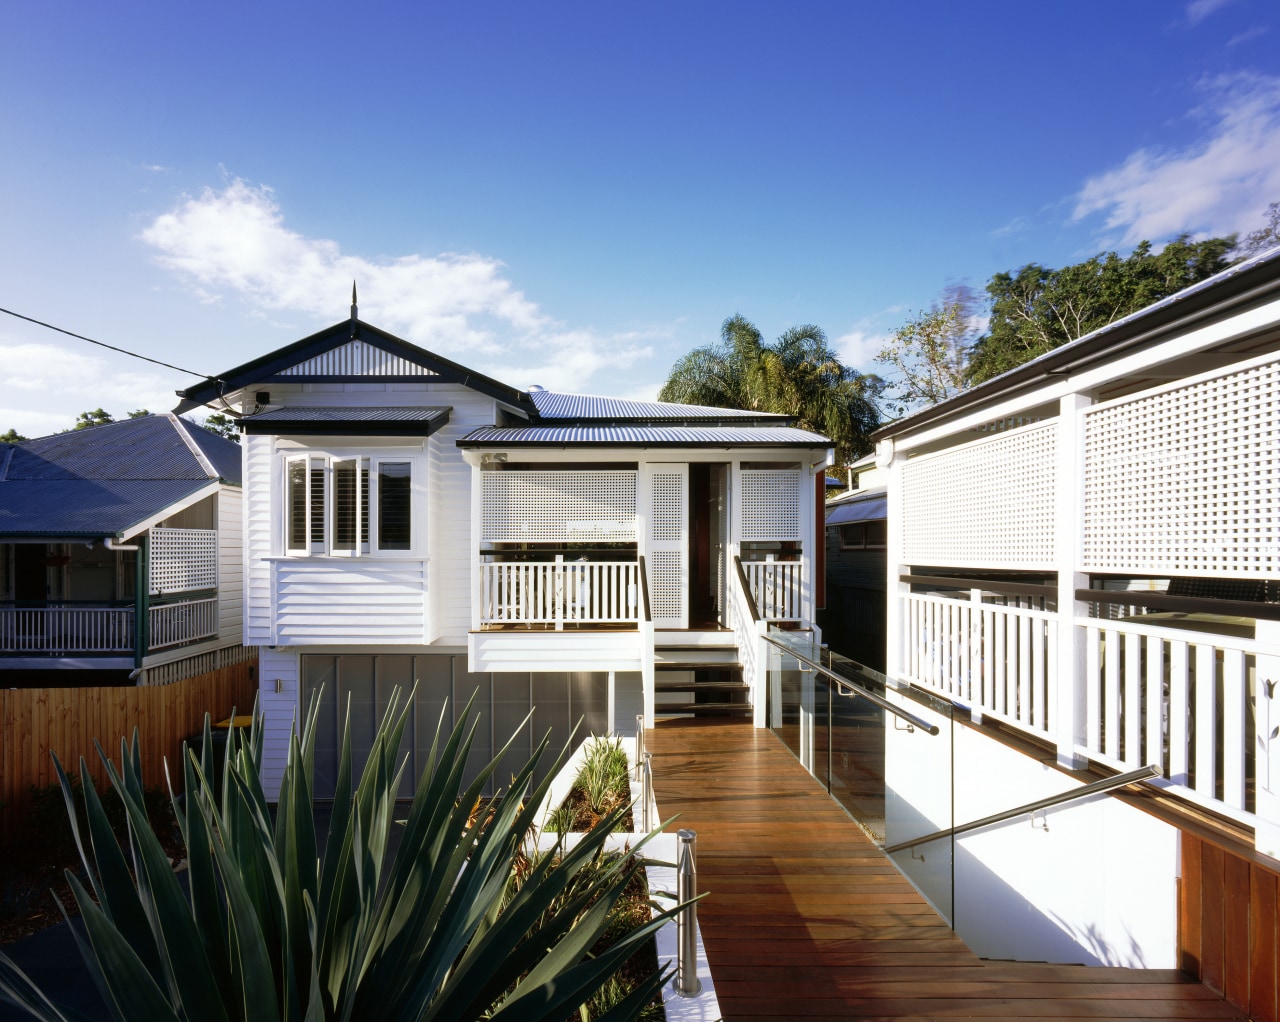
(604, 775)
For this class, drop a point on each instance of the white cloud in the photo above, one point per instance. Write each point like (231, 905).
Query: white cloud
(858, 349)
(1218, 184)
(235, 241)
(1248, 35)
(1198, 10)
(40, 378)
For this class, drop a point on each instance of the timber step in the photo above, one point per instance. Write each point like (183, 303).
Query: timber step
(671, 685)
(696, 665)
(704, 709)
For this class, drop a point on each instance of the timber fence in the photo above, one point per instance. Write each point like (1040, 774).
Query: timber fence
(37, 721)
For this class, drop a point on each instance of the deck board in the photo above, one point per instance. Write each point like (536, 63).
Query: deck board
(805, 918)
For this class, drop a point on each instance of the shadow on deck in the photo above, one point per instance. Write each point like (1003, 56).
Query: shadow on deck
(807, 919)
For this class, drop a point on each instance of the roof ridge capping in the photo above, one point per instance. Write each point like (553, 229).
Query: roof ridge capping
(1245, 282)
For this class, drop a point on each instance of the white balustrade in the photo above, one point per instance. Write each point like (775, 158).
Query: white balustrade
(1179, 699)
(775, 586)
(559, 592)
(66, 629)
(995, 658)
(173, 624)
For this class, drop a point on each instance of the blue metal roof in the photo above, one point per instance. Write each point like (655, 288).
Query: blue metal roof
(104, 480)
(557, 405)
(643, 436)
(866, 509)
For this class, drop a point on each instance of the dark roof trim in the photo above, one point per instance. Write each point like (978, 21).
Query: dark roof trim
(1230, 291)
(268, 367)
(415, 428)
(642, 445)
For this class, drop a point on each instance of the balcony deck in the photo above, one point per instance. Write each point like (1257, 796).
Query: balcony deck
(812, 921)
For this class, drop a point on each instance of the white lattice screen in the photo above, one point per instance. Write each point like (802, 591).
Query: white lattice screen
(668, 529)
(1186, 480)
(183, 560)
(988, 504)
(666, 585)
(770, 504)
(558, 506)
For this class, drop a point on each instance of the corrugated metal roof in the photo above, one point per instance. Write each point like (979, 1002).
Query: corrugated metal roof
(382, 413)
(556, 405)
(865, 510)
(643, 436)
(86, 507)
(101, 481)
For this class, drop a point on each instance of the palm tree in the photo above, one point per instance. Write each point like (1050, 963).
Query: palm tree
(797, 375)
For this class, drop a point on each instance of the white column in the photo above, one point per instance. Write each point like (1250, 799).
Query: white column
(896, 591)
(1068, 681)
(1267, 688)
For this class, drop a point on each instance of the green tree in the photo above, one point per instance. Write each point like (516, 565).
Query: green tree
(928, 358)
(222, 425)
(799, 374)
(12, 437)
(281, 922)
(1265, 237)
(140, 413)
(97, 417)
(1038, 309)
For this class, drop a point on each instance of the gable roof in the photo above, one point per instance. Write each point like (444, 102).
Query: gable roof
(586, 408)
(351, 350)
(105, 480)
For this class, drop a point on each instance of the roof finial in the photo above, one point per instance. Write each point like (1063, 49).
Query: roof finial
(355, 315)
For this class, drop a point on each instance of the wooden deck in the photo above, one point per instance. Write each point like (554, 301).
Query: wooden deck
(806, 919)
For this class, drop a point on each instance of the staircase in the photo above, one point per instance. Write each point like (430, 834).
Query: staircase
(698, 679)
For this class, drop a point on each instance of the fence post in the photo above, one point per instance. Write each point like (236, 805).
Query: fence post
(687, 983)
(639, 744)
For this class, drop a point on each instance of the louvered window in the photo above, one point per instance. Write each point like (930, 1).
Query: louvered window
(346, 507)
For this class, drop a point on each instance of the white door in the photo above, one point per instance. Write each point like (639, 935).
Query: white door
(667, 543)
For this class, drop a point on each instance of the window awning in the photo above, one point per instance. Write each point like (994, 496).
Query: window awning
(377, 421)
(866, 510)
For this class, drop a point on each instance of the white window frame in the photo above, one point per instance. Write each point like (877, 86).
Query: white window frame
(368, 539)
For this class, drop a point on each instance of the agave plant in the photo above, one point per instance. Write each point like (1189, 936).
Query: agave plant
(274, 928)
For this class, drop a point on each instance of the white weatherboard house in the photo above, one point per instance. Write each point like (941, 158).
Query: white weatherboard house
(1084, 559)
(409, 521)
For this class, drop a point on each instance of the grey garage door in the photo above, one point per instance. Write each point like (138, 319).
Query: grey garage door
(362, 685)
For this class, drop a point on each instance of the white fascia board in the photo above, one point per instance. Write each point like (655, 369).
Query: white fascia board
(1055, 388)
(137, 528)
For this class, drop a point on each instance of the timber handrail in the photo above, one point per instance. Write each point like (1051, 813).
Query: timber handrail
(644, 591)
(1186, 604)
(987, 585)
(746, 589)
(1096, 788)
(856, 689)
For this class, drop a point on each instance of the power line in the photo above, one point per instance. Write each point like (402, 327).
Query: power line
(101, 344)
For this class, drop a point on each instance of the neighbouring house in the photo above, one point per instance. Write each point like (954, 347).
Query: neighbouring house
(119, 555)
(1084, 569)
(557, 557)
(853, 620)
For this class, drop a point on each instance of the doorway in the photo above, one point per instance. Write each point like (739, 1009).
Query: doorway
(708, 543)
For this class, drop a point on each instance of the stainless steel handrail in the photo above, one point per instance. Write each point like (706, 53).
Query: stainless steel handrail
(857, 690)
(1097, 787)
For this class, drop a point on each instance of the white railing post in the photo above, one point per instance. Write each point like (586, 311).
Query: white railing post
(1267, 766)
(1067, 682)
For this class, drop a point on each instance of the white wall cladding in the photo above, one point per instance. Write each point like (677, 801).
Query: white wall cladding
(259, 524)
(1186, 479)
(230, 565)
(988, 504)
(183, 560)
(539, 652)
(349, 600)
(558, 506)
(357, 358)
(770, 504)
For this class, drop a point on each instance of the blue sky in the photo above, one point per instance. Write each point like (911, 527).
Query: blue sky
(575, 194)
